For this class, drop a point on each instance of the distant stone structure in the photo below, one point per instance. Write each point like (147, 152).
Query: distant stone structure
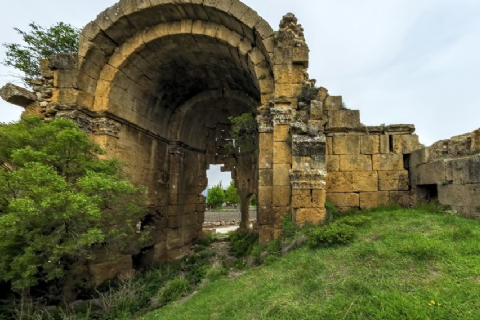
(155, 82)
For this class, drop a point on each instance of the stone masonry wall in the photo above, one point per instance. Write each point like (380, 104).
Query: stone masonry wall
(449, 172)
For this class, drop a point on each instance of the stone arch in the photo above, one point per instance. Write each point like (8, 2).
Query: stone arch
(169, 73)
(129, 19)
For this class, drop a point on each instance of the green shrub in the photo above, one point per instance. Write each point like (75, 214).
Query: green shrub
(289, 227)
(354, 220)
(242, 243)
(174, 290)
(330, 235)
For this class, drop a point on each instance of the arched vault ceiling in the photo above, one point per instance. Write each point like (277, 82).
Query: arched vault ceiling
(176, 68)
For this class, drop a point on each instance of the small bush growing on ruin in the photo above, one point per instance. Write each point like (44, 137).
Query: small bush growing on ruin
(308, 94)
(242, 243)
(330, 235)
(289, 227)
(174, 290)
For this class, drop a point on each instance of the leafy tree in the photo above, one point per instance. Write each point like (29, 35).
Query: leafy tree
(58, 200)
(231, 195)
(40, 43)
(244, 132)
(216, 196)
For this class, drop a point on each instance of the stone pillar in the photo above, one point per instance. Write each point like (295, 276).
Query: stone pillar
(308, 178)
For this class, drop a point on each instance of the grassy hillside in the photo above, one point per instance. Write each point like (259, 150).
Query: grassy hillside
(404, 264)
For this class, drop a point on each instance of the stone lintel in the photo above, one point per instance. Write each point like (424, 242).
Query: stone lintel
(308, 178)
(17, 95)
(400, 129)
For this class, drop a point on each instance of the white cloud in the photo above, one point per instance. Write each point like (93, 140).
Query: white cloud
(397, 61)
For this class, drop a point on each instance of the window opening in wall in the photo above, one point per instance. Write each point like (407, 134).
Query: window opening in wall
(406, 161)
(390, 143)
(428, 192)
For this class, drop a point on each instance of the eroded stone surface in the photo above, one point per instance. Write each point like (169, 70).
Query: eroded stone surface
(155, 83)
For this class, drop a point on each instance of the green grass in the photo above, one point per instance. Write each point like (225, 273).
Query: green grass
(397, 264)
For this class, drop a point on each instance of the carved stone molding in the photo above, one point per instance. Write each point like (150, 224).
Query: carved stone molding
(265, 124)
(308, 178)
(96, 126)
(282, 115)
(308, 146)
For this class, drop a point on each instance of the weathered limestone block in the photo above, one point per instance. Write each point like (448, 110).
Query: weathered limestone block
(265, 194)
(387, 162)
(64, 61)
(329, 145)
(281, 174)
(393, 180)
(344, 200)
(346, 144)
(418, 157)
(102, 272)
(333, 163)
(288, 74)
(265, 233)
(400, 129)
(300, 55)
(343, 119)
(463, 170)
(405, 144)
(282, 116)
(312, 215)
(174, 238)
(306, 198)
(308, 146)
(265, 156)
(370, 144)
(314, 162)
(430, 173)
(45, 69)
(316, 110)
(17, 95)
(459, 195)
(281, 196)
(65, 78)
(281, 133)
(384, 144)
(332, 103)
(374, 199)
(308, 179)
(322, 94)
(340, 182)
(402, 198)
(282, 153)
(365, 181)
(265, 177)
(355, 162)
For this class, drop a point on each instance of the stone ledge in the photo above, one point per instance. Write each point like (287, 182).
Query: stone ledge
(17, 95)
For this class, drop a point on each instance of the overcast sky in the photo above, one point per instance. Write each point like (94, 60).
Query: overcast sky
(397, 61)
